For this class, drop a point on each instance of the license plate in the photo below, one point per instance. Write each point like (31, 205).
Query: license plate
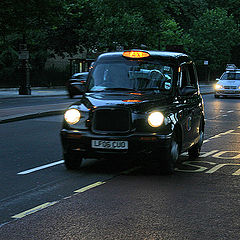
(230, 92)
(103, 144)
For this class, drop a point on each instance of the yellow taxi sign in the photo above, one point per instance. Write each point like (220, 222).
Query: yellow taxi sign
(136, 54)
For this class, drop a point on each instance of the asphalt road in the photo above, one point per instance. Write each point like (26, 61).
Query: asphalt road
(119, 200)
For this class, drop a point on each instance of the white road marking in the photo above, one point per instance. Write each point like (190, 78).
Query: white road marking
(221, 134)
(193, 164)
(62, 161)
(40, 167)
(208, 153)
(210, 171)
(237, 173)
(215, 168)
(236, 155)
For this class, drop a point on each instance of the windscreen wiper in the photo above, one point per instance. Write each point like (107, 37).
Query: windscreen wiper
(149, 89)
(121, 89)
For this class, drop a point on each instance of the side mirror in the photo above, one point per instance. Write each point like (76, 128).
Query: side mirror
(217, 79)
(81, 87)
(188, 91)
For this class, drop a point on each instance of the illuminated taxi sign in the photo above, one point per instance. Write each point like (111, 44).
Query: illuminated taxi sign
(136, 54)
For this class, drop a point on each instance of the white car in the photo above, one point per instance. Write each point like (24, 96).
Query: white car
(229, 83)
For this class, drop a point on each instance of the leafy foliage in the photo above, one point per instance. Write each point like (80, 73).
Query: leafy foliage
(208, 29)
(214, 35)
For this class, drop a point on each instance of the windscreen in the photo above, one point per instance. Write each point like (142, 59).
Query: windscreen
(131, 75)
(231, 76)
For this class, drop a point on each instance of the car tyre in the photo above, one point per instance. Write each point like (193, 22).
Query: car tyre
(216, 96)
(171, 156)
(194, 151)
(72, 161)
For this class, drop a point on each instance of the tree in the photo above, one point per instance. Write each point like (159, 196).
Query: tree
(214, 34)
(74, 30)
(22, 17)
(26, 22)
(127, 23)
(184, 12)
(172, 34)
(231, 6)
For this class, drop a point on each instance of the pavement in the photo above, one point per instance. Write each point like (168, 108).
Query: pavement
(29, 112)
(35, 92)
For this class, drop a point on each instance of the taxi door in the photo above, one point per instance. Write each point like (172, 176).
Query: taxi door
(190, 100)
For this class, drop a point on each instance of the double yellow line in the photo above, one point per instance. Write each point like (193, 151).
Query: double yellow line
(48, 204)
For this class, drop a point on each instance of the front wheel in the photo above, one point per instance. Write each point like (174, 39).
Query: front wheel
(171, 155)
(171, 158)
(72, 161)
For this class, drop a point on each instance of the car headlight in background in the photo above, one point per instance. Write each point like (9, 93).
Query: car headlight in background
(218, 86)
(155, 119)
(72, 116)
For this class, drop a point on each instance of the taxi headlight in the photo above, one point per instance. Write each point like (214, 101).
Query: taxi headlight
(218, 86)
(155, 119)
(72, 116)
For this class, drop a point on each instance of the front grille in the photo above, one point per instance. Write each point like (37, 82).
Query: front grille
(111, 120)
(230, 87)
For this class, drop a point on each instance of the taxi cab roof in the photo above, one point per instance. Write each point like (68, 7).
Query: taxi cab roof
(230, 68)
(161, 55)
(233, 71)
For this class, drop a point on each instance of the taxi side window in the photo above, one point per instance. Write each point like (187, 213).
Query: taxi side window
(188, 77)
(192, 75)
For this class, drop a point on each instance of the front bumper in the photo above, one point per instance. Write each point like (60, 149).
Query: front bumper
(230, 93)
(139, 144)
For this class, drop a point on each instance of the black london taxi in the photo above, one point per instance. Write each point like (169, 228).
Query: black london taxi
(137, 104)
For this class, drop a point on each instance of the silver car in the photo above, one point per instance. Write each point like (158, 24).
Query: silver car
(229, 83)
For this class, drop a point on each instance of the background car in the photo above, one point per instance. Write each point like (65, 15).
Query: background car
(76, 84)
(229, 83)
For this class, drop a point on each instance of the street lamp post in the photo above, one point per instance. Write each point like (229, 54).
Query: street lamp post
(24, 71)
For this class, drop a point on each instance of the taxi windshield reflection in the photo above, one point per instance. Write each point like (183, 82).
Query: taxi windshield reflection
(143, 76)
